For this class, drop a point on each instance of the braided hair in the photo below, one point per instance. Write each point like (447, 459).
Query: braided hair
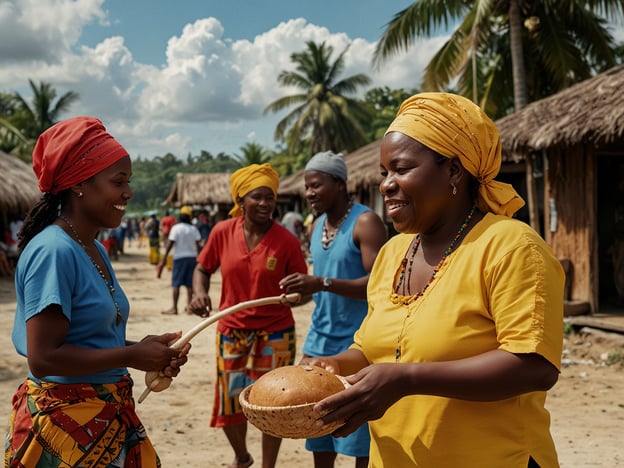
(42, 214)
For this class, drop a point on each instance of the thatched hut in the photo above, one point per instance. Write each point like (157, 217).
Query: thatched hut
(209, 191)
(212, 192)
(19, 188)
(575, 138)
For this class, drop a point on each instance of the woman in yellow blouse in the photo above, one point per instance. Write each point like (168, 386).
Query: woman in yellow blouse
(463, 335)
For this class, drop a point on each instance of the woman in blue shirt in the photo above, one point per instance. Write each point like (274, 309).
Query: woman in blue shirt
(75, 407)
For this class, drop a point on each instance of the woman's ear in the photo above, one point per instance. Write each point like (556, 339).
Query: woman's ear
(77, 190)
(456, 170)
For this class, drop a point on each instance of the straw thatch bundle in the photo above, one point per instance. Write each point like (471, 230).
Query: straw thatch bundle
(591, 111)
(200, 189)
(20, 189)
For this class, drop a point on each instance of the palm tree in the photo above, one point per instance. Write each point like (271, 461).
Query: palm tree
(27, 121)
(490, 53)
(42, 114)
(323, 115)
(253, 153)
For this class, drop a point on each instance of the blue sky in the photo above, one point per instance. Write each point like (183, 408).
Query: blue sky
(241, 19)
(191, 75)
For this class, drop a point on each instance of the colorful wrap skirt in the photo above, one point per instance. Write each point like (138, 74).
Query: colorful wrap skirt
(242, 357)
(77, 425)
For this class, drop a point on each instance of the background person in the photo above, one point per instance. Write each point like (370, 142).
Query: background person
(184, 239)
(253, 253)
(464, 331)
(203, 226)
(152, 228)
(142, 231)
(75, 408)
(345, 240)
(166, 223)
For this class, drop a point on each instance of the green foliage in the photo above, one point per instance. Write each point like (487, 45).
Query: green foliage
(615, 357)
(153, 179)
(563, 42)
(323, 115)
(22, 122)
(384, 104)
(253, 153)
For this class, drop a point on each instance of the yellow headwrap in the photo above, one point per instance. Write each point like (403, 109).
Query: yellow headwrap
(249, 178)
(454, 126)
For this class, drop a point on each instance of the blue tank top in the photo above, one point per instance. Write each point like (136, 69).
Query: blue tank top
(335, 318)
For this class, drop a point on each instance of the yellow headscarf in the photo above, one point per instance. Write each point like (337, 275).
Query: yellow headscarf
(249, 178)
(454, 126)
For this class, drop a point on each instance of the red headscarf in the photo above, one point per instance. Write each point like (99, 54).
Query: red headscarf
(72, 151)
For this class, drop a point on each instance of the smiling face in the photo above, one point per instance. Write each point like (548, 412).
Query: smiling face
(258, 205)
(106, 194)
(416, 183)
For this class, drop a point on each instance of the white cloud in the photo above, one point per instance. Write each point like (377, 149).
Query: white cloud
(210, 93)
(43, 30)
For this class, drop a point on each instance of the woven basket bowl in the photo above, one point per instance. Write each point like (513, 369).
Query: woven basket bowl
(287, 422)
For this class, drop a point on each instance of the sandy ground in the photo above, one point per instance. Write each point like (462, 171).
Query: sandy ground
(587, 404)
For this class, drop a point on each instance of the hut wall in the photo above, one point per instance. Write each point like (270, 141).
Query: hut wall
(570, 216)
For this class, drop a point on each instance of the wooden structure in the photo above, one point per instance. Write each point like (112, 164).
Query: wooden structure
(211, 191)
(20, 189)
(206, 191)
(576, 140)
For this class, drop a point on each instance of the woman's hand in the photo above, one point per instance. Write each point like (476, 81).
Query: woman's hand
(373, 390)
(200, 305)
(159, 269)
(305, 285)
(173, 369)
(153, 352)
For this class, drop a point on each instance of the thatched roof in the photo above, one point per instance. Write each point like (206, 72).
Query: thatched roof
(591, 111)
(363, 166)
(292, 184)
(200, 189)
(362, 169)
(20, 189)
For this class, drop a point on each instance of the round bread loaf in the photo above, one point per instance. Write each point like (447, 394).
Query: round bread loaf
(294, 385)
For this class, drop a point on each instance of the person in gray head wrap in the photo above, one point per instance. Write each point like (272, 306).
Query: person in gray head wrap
(329, 163)
(344, 242)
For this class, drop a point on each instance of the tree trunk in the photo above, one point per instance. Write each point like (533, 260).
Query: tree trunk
(517, 55)
(521, 100)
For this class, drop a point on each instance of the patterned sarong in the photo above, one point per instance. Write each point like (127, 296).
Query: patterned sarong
(243, 356)
(77, 425)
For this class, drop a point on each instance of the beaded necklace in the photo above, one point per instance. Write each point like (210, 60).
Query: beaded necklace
(407, 264)
(109, 284)
(328, 237)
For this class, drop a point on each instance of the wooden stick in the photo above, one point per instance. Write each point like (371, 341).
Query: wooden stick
(157, 382)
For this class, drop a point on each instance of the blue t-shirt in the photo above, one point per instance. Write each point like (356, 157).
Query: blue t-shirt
(336, 318)
(54, 269)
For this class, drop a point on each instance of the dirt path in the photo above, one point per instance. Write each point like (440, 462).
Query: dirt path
(587, 404)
